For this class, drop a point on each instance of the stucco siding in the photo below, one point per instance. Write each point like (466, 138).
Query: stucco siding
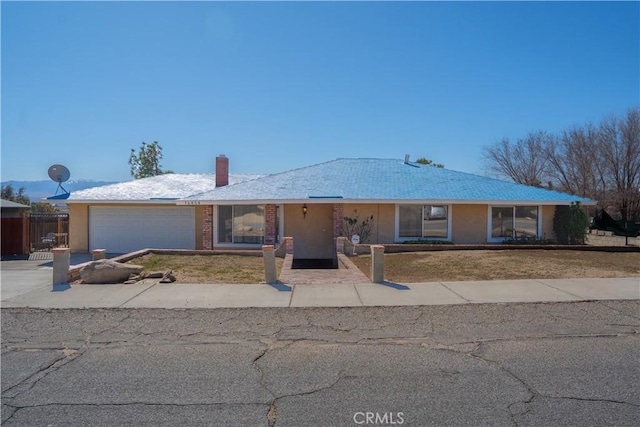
(469, 224)
(383, 220)
(548, 212)
(78, 227)
(313, 234)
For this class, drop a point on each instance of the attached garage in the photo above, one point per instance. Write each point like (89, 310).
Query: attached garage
(123, 229)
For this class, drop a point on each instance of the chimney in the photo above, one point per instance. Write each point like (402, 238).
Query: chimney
(222, 171)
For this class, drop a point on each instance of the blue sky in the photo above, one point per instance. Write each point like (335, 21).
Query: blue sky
(276, 86)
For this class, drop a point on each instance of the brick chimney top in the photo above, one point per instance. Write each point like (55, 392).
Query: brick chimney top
(222, 171)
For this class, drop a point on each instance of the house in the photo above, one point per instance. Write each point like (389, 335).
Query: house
(15, 228)
(408, 201)
(142, 213)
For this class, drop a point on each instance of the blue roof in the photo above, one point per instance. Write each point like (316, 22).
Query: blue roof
(380, 180)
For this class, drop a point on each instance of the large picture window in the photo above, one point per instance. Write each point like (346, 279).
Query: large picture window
(241, 224)
(512, 222)
(423, 221)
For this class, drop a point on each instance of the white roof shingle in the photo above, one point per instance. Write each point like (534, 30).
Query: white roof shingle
(167, 186)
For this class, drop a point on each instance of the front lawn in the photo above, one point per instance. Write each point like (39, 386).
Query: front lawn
(507, 264)
(208, 268)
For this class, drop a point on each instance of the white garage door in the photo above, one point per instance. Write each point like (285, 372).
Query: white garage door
(127, 229)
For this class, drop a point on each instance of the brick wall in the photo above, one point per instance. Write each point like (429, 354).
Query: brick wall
(337, 221)
(337, 227)
(270, 224)
(207, 227)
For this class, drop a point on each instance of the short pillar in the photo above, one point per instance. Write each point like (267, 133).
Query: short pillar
(377, 263)
(61, 262)
(99, 254)
(288, 241)
(340, 244)
(269, 257)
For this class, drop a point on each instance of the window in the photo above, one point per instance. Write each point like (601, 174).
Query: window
(241, 224)
(420, 221)
(512, 222)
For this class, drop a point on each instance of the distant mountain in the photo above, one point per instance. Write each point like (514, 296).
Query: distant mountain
(37, 190)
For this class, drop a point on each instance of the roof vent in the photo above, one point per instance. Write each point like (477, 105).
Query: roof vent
(406, 158)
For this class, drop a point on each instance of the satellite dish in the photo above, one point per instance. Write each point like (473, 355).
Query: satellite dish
(59, 174)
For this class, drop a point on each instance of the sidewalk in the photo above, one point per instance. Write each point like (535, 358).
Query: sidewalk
(33, 291)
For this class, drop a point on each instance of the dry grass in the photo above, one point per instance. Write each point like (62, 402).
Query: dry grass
(208, 268)
(507, 264)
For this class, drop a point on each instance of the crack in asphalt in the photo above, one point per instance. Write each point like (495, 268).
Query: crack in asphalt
(477, 354)
(586, 399)
(271, 334)
(604, 304)
(272, 411)
(232, 404)
(16, 409)
(66, 358)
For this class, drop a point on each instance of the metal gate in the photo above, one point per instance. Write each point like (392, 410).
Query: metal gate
(48, 231)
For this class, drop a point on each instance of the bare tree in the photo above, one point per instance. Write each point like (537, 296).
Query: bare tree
(574, 162)
(619, 143)
(600, 162)
(524, 161)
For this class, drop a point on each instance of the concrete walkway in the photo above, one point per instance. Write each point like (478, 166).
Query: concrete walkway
(23, 287)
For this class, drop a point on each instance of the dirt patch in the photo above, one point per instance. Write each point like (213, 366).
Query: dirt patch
(508, 264)
(232, 269)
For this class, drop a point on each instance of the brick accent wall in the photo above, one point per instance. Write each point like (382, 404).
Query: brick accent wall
(337, 221)
(337, 227)
(270, 224)
(207, 227)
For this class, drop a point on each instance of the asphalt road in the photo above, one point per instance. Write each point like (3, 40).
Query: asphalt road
(516, 364)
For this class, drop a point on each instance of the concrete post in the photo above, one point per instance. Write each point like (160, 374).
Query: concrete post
(99, 254)
(377, 263)
(61, 262)
(340, 244)
(269, 258)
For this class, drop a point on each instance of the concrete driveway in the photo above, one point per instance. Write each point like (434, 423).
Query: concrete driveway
(20, 275)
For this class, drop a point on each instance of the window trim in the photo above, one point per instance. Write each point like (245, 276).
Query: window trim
(491, 239)
(397, 237)
(231, 244)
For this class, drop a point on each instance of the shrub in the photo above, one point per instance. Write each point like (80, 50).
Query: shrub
(427, 242)
(529, 240)
(352, 225)
(570, 224)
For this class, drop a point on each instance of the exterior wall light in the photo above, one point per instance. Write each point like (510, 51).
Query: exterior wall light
(304, 210)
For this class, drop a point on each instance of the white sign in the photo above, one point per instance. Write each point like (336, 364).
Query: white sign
(355, 239)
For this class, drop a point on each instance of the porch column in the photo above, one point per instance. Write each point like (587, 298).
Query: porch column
(337, 226)
(207, 227)
(270, 224)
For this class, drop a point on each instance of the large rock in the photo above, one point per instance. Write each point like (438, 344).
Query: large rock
(108, 271)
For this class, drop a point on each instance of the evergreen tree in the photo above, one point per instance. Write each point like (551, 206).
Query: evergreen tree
(147, 162)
